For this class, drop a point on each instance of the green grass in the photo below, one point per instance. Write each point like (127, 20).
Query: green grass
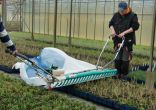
(124, 92)
(33, 48)
(16, 95)
(97, 44)
(141, 75)
(129, 93)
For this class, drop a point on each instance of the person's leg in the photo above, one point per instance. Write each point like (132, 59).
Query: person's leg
(125, 61)
(118, 64)
(125, 67)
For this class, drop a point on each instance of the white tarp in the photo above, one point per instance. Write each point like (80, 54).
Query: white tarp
(48, 57)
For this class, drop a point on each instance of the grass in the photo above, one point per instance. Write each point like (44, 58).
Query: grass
(16, 95)
(95, 44)
(140, 75)
(124, 92)
(75, 52)
(33, 48)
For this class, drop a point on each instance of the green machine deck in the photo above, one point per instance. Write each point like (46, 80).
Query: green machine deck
(77, 78)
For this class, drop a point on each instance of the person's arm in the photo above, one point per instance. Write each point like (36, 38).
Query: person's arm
(135, 23)
(112, 30)
(126, 32)
(4, 37)
(111, 25)
(134, 26)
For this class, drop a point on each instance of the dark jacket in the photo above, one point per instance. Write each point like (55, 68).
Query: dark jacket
(122, 23)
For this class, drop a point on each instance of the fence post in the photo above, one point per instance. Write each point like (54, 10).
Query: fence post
(39, 11)
(70, 26)
(87, 19)
(33, 15)
(95, 20)
(55, 23)
(48, 16)
(150, 74)
(128, 2)
(142, 16)
(4, 12)
(21, 10)
(103, 34)
(79, 17)
(45, 14)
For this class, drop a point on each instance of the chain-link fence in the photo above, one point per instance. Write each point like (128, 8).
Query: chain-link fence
(11, 14)
(86, 19)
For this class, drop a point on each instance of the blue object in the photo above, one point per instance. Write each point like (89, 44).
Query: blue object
(122, 6)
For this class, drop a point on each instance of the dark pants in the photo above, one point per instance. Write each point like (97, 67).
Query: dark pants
(122, 61)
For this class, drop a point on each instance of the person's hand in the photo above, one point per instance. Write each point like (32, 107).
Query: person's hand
(113, 33)
(14, 52)
(119, 44)
(112, 36)
(121, 35)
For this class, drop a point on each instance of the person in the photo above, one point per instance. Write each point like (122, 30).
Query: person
(123, 24)
(4, 37)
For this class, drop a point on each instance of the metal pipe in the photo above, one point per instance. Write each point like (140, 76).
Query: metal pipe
(87, 19)
(74, 20)
(95, 20)
(142, 16)
(61, 19)
(117, 53)
(55, 23)
(39, 11)
(114, 7)
(4, 12)
(150, 74)
(67, 28)
(79, 17)
(129, 2)
(48, 17)
(45, 15)
(70, 25)
(104, 46)
(23, 15)
(33, 17)
(103, 34)
(29, 13)
(21, 8)
(153, 38)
